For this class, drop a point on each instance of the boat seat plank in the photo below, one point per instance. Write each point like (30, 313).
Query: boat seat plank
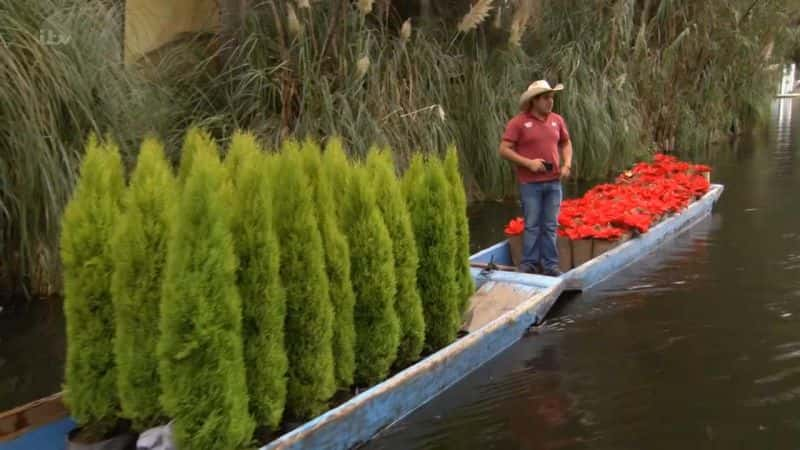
(492, 300)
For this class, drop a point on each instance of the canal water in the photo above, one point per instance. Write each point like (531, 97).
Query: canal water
(696, 347)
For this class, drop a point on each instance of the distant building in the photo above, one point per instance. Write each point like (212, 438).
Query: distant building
(151, 24)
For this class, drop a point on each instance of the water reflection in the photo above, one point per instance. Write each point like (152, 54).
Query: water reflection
(32, 349)
(520, 401)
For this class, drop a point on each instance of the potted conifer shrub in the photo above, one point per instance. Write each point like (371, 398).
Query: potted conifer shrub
(408, 304)
(200, 354)
(90, 379)
(258, 278)
(139, 255)
(337, 263)
(309, 313)
(458, 202)
(372, 261)
(428, 195)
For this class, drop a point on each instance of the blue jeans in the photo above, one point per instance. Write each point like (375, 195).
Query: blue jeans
(540, 205)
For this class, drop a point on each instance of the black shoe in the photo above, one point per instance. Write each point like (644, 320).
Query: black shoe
(552, 272)
(527, 268)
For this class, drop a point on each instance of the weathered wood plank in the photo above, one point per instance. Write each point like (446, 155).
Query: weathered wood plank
(22, 419)
(492, 300)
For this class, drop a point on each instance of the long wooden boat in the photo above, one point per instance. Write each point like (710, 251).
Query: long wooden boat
(506, 304)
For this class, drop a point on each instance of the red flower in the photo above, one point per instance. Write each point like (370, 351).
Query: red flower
(515, 227)
(639, 198)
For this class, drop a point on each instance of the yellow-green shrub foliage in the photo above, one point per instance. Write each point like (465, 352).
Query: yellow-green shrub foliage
(90, 379)
(200, 347)
(258, 278)
(466, 285)
(309, 313)
(196, 140)
(337, 265)
(429, 202)
(337, 168)
(377, 326)
(392, 204)
(140, 252)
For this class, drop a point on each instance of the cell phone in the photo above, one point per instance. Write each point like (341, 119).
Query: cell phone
(548, 166)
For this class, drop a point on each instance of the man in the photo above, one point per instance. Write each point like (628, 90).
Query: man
(536, 140)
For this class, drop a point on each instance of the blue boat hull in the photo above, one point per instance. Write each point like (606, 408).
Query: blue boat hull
(363, 416)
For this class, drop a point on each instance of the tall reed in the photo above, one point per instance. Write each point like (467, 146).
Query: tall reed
(62, 77)
(640, 75)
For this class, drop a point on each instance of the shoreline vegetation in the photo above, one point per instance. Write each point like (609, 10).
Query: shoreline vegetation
(641, 76)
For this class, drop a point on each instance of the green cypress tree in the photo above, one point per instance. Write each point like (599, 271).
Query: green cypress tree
(309, 313)
(337, 265)
(139, 251)
(90, 379)
(466, 285)
(377, 326)
(337, 168)
(200, 347)
(413, 178)
(196, 140)
(242, 147)
(258, 278)
(428, 196)
(392, 204)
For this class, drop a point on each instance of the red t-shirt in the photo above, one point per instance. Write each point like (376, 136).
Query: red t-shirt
(536, 138)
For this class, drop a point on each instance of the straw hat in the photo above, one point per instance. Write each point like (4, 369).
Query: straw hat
(537, 88)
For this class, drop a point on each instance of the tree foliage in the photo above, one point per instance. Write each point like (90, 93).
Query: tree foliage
(90, 379)
(309, 313)
(258, 279)
(337, 264)
(200, 352)
(139, 249)
(429, 202)
(392, 204)
(373, 273)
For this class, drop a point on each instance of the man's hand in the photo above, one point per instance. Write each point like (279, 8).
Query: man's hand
(565, 171)
(536, 165)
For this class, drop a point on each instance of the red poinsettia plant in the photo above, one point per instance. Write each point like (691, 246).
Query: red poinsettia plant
(638, 199)
(515, 227)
